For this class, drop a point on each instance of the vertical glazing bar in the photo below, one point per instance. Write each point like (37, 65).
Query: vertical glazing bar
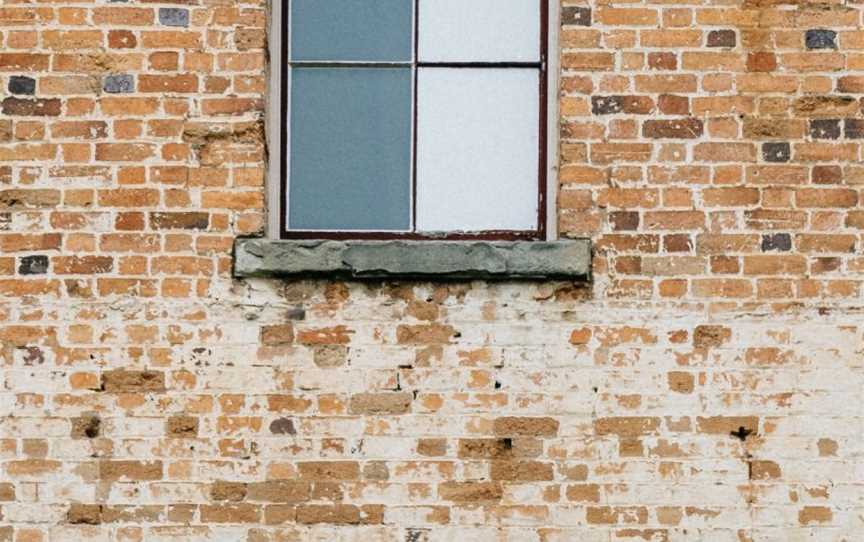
(284, 140)
(414, 59)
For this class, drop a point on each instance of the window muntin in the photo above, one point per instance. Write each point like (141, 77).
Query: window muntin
(472, 172)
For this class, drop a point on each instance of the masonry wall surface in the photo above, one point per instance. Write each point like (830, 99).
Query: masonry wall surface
(705, 386)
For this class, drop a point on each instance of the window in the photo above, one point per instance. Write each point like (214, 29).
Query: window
(413, 119)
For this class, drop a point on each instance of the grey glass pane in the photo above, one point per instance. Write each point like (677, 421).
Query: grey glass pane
(350, 150)
(378, 30)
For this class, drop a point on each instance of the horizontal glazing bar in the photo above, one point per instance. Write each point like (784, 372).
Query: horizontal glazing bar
(347, 64)
(535, 65)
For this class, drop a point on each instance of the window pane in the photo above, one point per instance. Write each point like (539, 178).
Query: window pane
(354, 30)
(479, 31)
(477, 149)
(350, 156)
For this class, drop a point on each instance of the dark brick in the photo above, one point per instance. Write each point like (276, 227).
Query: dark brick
(119, 84)
(610, 105)
(576, 15)
(179, 220)
(607, 105)
(825, 128)
(19, 84)
(722, 38)
(32, 108)
(776, 152)
(821, 38)
(854, 128)
(283, 426)
(781, 242)
(33, 265)
(688, 128)
(174, 16)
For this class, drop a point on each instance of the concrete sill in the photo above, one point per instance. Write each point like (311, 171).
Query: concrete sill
(430, 260)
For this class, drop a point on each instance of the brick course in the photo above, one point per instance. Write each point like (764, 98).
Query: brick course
(704, 386)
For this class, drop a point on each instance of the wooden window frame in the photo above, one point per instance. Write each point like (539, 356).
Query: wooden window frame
(277, 135)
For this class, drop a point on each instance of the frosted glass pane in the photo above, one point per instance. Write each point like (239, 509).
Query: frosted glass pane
(350, 157)
(477, 149)
(379, 30)
(479, 31)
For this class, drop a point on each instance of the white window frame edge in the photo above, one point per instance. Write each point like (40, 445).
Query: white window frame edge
(273, 198)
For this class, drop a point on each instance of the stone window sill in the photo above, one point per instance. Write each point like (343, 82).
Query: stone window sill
(431, 260)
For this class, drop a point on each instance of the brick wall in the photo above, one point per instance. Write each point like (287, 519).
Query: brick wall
(706, 386)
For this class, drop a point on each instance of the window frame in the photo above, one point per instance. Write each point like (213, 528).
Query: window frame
(277, 136)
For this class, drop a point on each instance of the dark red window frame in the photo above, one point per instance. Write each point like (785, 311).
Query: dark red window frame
(491, 235)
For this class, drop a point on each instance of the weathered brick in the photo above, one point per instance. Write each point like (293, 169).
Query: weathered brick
(499, 448)
(329, 470)
(86, 427)
(626, 426)
(281, 491)
(230, 513)
(707, 336)
(522, 471)
(181, 426)
(381, 403)
(228, 491)
(7, 492)
(340, 514)
(116, 381)
(764, 470)
(470, 492)
(39, 107)
(725, 425)
(526, 426)
(130, 470)
(86, 514)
